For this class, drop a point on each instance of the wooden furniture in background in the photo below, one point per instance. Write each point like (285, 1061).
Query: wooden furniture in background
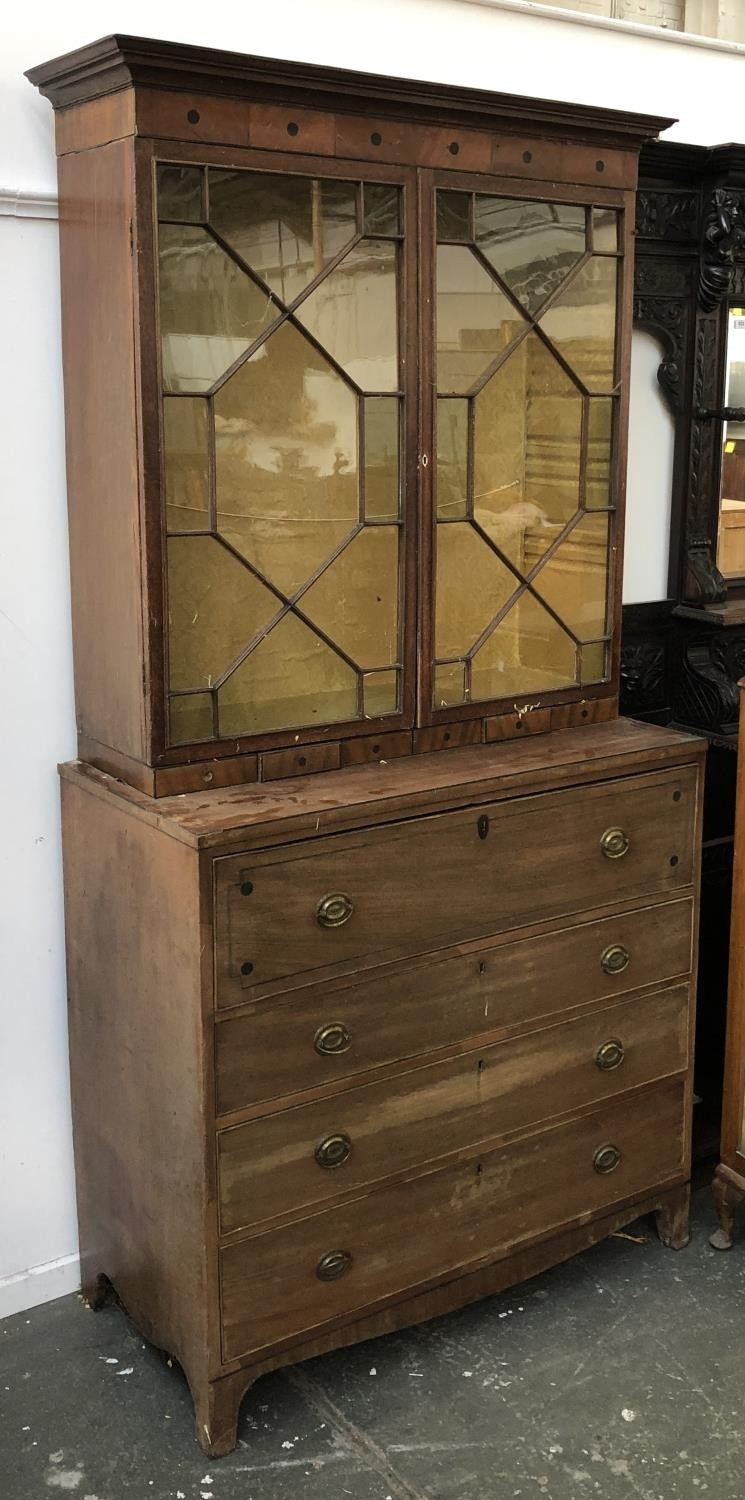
(681, 657)
(346, 367)
(729, 1178)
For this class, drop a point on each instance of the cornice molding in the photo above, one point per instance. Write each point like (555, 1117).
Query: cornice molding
(119, 62)
(18, 203)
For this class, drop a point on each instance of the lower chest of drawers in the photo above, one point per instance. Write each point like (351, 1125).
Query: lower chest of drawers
(349, 1053)
(523, 1070)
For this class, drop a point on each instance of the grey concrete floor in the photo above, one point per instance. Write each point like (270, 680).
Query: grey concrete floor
(619, 1374)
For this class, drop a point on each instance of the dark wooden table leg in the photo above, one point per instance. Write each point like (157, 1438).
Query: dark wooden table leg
(726, 1196)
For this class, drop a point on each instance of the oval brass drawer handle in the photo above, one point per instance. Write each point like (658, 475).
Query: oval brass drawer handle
(332, 1038)
(334, 910)
(334, 1264)
(615, 959)
(333, 1150)
(606, 1159)
(610, 1055)
(614, 843)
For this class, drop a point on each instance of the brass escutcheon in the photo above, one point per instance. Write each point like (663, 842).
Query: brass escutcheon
(333, 1150)
(332, 1038)
(334, 1264)
(610, 1055)
(606, 1159)
(615, 959)
(334, 910)
(614, 843)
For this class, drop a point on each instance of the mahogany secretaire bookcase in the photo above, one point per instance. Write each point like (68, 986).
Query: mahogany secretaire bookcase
(346, 372)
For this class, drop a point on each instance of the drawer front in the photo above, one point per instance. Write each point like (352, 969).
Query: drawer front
(356, 899)
(314, 1036)
(300, 1159)
(374, 1249)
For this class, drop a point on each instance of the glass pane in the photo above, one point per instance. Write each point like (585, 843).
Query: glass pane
(210, 310)
(186, 463)
(605, 229)
(292, 679)
(215, 607)
(452, 459)
(382, 208)
(190, 718)
(382, 501)
(453, 216)
(574, 580)
(532, 246)
(286, 459)
(450, 684)
(527, 653)
(180, 192)
(355, 601)
(472, 585)
(475, 320)
(527, 453)
(582, 323)
(731, 540)
(599, 436)
(593, 662)
(285, 228)
(353, 314)
(380, 693)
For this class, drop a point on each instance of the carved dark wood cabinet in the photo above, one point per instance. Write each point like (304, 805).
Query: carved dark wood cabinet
(681, 658)
(729, 1178)
(380, 921)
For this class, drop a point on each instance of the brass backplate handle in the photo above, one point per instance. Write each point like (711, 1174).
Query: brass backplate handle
(610, 1055)
(333, 1150)
(334, 910)
(614, 843)
(332, 1038)
(615, 959)
(333, 1265)
(606, 1159)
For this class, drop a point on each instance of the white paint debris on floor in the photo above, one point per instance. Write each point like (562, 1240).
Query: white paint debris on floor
(58, 1478)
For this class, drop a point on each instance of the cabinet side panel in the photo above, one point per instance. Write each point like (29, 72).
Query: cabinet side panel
(96, 209)
(137, 1061)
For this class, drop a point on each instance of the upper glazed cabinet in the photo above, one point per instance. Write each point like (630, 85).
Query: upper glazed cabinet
(352, 354)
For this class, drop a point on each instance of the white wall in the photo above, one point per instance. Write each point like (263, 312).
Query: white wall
(499, 44)
(649, 477)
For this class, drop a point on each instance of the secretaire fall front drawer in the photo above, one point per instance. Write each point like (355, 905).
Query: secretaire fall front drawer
(333, 903)
(328, 1032)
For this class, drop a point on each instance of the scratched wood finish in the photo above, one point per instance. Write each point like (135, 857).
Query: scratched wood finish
(145, 882)
(474, 1211)
(98, 312)
(533, 857)
(268, 1168)
(384, 791)
(408, 1008)
(132, 909)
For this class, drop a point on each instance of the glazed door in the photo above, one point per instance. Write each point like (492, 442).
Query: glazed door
(285, 321)
(391, 410)
(525, 429)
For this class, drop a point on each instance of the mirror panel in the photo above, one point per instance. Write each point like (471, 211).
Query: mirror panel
(731, 534)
